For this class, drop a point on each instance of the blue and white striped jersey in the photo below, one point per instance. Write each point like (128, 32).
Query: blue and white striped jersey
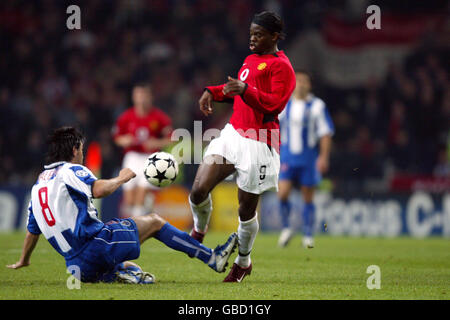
(302, 124)
(61, 207)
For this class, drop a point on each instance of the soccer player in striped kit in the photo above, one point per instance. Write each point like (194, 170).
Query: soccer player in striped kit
(249, 143)
(61, 209)
(306, 131)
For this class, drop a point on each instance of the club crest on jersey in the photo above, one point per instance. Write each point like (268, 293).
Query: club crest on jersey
(262, 66)
(153, 125)
(125, 223)
(81, 173)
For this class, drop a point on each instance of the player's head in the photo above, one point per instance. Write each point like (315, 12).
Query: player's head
(65, 144)
(303, 83)
(142, 95)
(265, 31)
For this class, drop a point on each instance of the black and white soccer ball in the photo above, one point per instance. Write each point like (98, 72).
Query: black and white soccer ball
(161, 169)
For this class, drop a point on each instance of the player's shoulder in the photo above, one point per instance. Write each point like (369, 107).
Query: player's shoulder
(318, 104)
(157, 110)
(281, 61)
(127, 113)
(159, 113)
(282, 58)
(318, 101)
(78, 170)
(250, 57)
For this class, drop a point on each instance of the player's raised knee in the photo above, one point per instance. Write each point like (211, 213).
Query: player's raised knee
(156, 220)
(198, 194)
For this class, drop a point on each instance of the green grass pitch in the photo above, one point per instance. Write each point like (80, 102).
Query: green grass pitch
(334, 269)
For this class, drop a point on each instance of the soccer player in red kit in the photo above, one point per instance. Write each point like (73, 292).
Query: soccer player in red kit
(140, 131)
(249, 143)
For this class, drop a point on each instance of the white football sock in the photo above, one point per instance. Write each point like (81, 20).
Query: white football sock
(201, 213)
(247, 232)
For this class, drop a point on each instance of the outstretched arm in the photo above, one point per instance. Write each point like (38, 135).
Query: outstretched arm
(125, 140)
(163, 141)
(104, 187)
(205, 102)
(210, 94)
(324, 154)
(28, 246)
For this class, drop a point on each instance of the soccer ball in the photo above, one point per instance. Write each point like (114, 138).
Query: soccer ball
(161, 169)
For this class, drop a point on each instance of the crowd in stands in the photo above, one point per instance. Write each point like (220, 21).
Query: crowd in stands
(52, 76)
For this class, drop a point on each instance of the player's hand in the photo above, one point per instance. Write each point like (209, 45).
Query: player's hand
(233, 87)
(322, 164)
(126, 174)
(18, 265)
(205, 103)
(125, 140)
(151, 143)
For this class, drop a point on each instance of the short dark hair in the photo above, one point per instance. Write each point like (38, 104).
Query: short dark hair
(61, 143)
(271, 22)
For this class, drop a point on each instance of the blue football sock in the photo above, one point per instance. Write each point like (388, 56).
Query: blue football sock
(181, 241)
(308, 219)
(285, 210)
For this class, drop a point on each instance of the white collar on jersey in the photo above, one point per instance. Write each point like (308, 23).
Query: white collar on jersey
(54, 165)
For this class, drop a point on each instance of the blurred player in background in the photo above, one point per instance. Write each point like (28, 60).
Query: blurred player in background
(306, 131)
(61, 209)
(249, 144)
(140, 131)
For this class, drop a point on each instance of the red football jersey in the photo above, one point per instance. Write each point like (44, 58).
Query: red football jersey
(270, 82)
(142, 128)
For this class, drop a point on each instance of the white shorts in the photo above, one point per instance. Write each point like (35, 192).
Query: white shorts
(257, 165)
(136, 162)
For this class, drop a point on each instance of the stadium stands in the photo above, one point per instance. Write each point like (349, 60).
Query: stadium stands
(52, 76)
